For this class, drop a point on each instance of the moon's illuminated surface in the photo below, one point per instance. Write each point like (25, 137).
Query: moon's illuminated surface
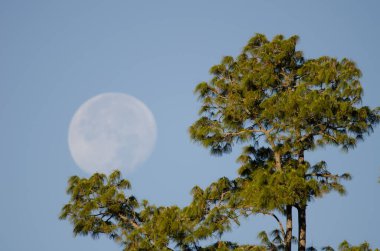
(111, 131)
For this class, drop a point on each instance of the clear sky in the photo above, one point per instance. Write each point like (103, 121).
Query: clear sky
(54, 55)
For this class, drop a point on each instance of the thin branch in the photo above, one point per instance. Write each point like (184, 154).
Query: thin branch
(126, 219)
(323, 175)
(278, 221)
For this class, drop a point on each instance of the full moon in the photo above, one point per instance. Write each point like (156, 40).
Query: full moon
(111, 131)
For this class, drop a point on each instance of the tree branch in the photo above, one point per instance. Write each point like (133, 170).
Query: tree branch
(278, 221)
(127, 220)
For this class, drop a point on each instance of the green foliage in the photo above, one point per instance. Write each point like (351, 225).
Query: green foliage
(345, 246)
(296, 183)
(271, 90)
(227, 246)
(100, 205)
(327, 248)
(281, 105)
(275, 103)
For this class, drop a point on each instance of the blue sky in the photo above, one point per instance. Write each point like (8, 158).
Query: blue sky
(54, 55)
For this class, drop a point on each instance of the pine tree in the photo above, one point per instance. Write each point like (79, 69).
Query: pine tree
(100, 205)
(282, 105)
(345, 246)
(277, 105)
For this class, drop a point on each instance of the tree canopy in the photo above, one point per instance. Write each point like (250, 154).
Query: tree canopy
(277, 105)
(100, 205)
(281, 105)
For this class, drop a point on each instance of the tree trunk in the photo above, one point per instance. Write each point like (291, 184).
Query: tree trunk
(301, 214)
(277, 158)
(301, 157)
(302, 228)
(289, 226)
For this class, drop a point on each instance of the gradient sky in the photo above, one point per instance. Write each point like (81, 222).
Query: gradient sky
(54, 55)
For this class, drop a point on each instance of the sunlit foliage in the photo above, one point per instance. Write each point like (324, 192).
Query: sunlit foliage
(277, 105)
